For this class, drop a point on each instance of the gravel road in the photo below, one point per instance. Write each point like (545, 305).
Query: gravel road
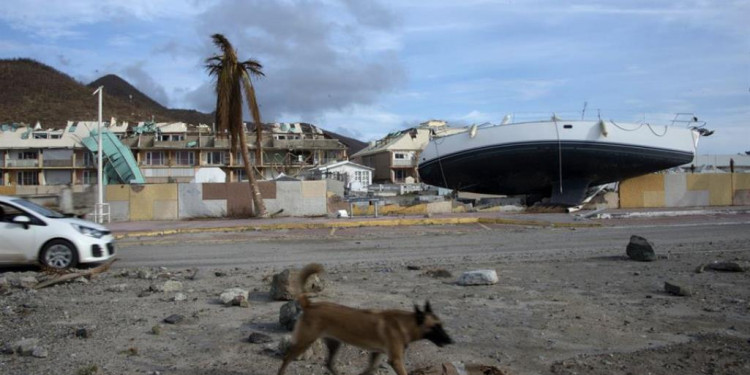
(568, 300)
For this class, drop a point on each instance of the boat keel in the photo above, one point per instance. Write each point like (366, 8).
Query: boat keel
(569, 192)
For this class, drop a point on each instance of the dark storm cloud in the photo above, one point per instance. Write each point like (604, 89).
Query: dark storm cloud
(137, 76)
(316, 56)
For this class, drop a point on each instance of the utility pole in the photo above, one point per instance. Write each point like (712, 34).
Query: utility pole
(99, 175)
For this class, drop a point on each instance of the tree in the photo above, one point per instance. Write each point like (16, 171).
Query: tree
(232, 78)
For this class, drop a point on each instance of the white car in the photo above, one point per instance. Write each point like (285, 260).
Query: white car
(32, 234)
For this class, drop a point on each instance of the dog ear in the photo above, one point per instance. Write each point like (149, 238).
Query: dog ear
(427, 307)
(419, 315)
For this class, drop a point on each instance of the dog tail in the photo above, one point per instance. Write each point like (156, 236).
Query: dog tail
(309, 270)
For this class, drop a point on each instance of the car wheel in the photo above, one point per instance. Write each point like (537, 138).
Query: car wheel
(59, 254)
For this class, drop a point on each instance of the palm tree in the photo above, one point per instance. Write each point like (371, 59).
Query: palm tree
(232, 77)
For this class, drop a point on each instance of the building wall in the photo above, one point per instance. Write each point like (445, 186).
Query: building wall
(685, 190)
(189, 200)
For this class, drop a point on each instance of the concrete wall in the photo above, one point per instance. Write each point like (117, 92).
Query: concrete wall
(189, 200)
(685, 190)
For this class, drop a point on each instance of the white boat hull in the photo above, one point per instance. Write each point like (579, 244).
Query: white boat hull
(559, 159)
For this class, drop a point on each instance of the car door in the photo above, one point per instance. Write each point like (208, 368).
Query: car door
(18, 243)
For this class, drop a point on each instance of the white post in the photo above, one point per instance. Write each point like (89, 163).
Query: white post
(99, 174)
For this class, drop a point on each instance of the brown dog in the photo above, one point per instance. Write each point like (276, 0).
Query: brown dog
(380, 332)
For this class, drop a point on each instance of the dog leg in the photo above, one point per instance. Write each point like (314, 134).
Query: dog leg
(294, 351)
(375, 358)
(333, 348)
(396, 360)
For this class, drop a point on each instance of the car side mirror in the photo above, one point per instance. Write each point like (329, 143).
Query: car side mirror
(23, 220)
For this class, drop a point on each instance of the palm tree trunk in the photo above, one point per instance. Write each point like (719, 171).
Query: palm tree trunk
(258, 205)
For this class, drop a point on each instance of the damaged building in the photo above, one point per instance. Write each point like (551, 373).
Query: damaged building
(150, 152)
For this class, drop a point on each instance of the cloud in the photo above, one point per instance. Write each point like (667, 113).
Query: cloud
(138, 77)
(316, 57)
(63, 19)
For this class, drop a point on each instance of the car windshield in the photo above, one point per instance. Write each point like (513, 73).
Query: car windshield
(37, 208)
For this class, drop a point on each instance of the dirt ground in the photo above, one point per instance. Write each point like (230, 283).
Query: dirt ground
(557, 315)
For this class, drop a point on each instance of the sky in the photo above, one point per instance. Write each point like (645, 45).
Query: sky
(364, 68)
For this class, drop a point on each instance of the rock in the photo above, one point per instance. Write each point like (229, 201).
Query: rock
(315, 349)
(288, 314)
(39, 352)
(83, 333)
(438, 273)
(4, 284)
(412, 267)
(640, 249)
(171, 286)
(283, 285)
(146, 274)
(677, 289)
(174, 319)
(7, 348)
(179, 297)
(117, 288)
(229, 296)
(240, 301)
(27, 282)
(156, 330)
(220, 274)
(192, 274)
(455, 368)
(478, 277)
(156, 288)
(728, 266)
(25, 347)
(259, 338)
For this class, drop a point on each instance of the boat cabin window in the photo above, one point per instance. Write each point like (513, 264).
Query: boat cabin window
(568, 126)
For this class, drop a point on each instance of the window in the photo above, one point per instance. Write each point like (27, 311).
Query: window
(89, 177)
(28, 155)
(172, 137)
(362, 177)
(216, 158)
(27, 178)
(399, 155)
(154, 158)
(88, 159)
(399, 175)
(40, 135)
(184, 158)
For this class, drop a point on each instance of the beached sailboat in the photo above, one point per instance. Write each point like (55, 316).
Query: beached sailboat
(556, 158)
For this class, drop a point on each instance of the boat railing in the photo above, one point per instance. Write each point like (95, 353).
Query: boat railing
(688, 120)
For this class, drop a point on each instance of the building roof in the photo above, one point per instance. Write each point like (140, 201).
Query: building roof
(342, 163)
(27, 137)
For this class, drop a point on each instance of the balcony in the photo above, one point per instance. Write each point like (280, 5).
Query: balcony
(83, 163)
(58, 163)
(307, 144)
(403, 163)
(21, 163)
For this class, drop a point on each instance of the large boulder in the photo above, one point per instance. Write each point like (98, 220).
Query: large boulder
(640, 249)
(284, 285)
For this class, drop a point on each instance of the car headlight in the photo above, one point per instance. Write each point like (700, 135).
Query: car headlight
(91, 232)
